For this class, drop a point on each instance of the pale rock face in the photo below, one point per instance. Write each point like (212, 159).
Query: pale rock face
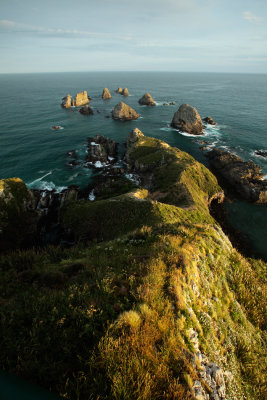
(66, 101)
(147, 100)
(80, 99)
(187, 119)
(125, 92)
(124, 112)
(106, 94)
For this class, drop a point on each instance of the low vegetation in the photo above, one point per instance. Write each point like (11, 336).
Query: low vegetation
(112, 317)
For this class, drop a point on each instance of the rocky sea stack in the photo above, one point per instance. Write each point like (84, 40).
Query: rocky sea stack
(187, 119)
(125, 92)
(124, 112)
(106, 94)
(66, 101)
(80, 99)
(147, 100)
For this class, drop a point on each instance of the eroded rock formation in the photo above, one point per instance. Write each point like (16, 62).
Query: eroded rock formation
(106, 94)
(147, 100)
(124, 112)
(187, 119)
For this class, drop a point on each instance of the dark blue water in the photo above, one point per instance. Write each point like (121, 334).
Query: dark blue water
(30, 106)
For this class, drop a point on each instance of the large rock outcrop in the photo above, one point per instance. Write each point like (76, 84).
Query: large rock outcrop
(106, 94)
(123, 112)
(187, 119)
(147, 100)
(18, 218)
(80, 99)
(66, 101)
(244, 177)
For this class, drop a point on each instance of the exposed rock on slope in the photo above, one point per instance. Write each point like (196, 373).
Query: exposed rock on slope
(80, 99)
(106, 94)
(124, 112)
(147, 100)
(244, 177)
(187, 119)
(66, 101)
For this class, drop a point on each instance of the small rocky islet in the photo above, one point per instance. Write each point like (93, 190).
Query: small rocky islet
(151, 292)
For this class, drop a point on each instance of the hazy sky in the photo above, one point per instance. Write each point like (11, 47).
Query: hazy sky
(163, 35)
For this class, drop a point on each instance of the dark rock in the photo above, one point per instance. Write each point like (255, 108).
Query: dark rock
(209, 121)
(73, 163)
(101, 150)
(172, 103)
(86, 110)
(244, 177)
(165, 104)
(147, 100)
(56, 127)
(107, 116)
(262, 153)
(187, 119)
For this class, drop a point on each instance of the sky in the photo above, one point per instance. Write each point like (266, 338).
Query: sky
(133, 35)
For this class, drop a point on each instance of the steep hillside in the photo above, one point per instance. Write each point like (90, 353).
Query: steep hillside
(155, 304)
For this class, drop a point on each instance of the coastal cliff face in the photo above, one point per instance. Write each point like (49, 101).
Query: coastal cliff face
(155, 304)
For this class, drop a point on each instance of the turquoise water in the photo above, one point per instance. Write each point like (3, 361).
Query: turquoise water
(30, 106)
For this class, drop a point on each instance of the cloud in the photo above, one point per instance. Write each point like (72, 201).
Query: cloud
(249, 16)
(11, 26)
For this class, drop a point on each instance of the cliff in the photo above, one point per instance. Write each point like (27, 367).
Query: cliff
(154, 302)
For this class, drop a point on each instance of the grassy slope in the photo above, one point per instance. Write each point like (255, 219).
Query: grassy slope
(111, 319)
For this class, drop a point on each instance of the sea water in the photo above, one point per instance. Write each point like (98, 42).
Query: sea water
(32, 150)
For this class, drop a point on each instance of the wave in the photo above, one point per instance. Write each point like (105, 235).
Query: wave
(45, 185)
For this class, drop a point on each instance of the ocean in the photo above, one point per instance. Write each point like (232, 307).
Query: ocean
(32, 150)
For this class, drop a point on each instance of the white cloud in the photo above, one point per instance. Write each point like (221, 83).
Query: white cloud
(11, 26)
(249, 16)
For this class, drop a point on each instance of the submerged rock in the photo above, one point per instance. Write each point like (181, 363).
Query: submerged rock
(66, 101)
(187, 119)
(209, 121)
(147, 100)
(80, 99)
(106, 94)
(244, 177)
(124, 112)
(86, 110)
(125, 92)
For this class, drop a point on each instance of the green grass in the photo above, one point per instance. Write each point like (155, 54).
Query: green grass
(111, 317)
